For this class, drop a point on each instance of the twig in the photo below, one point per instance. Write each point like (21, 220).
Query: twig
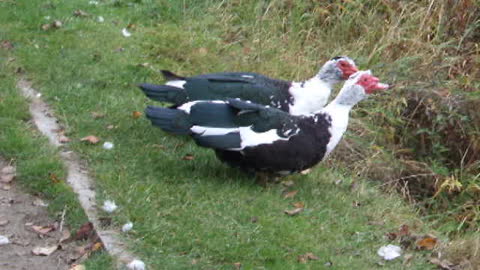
(62, 220)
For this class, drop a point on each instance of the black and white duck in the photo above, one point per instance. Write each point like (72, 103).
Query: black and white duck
(296, 98)
(260, 138)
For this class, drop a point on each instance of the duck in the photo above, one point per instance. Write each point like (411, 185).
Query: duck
(296, 98)
(258, 138)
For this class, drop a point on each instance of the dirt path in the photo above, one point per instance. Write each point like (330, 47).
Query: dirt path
(78, 177)
(19, 212)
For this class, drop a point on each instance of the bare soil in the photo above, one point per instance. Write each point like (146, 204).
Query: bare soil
(21, 211)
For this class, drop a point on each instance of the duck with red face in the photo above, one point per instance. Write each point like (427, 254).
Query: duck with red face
(297, 98)
(264, 139)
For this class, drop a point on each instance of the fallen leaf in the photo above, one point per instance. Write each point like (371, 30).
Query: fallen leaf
(404, 230)
(288, 183)
(64, 139)
(290, 194)
(7, 178)
(97, 246)
(66, 235)
(237, 265)
(57, 24)
(111, 127)
(338, 181)
(46, 26)
(6, 187)
(188, 157)
(299, 205)
(254, 219)
(80, 13)
(43, 229)
(54, 178)
(307, 257)
(427, 243)
(131, 26)
(136, 114)
(78, 267)
(194, 261)
(97, 115)
(293, 212)
(7, 174)
(85, 231)
(443, 264)
(4, 222)
(39, 202)
(305, 172)
(407, 258)
(6, 44)
(202, 51)
(44, 251)
(91, 139)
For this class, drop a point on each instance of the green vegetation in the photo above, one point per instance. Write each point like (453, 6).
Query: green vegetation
(199, 213)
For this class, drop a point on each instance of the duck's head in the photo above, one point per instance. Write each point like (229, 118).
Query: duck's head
(337, 69)
(359, 86)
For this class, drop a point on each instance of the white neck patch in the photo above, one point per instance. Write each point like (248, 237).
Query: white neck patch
(309, 96)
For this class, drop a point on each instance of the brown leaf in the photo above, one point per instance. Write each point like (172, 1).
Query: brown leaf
(293, 212)
(188, 157)
(97, 246)
(307, 257)
(404, 230)
(80, 13)
(85, 231)
(97, 115)
(6, 187)
(299, 205)
(443, 264)
(427, 243)
(136, 114)
(66, 235)
(43, 229)
(44, 251)
(54, 178)
(6, 44)
(237, 265)
(91, 139)
(290, 194)
(63, 139)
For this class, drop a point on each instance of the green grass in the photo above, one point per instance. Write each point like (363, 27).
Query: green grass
(200, 209)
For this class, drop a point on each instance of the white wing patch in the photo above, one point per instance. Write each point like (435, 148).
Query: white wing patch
(188, 106)
(248, 76)
(176, 83)
(210, 131)
(251, 138)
